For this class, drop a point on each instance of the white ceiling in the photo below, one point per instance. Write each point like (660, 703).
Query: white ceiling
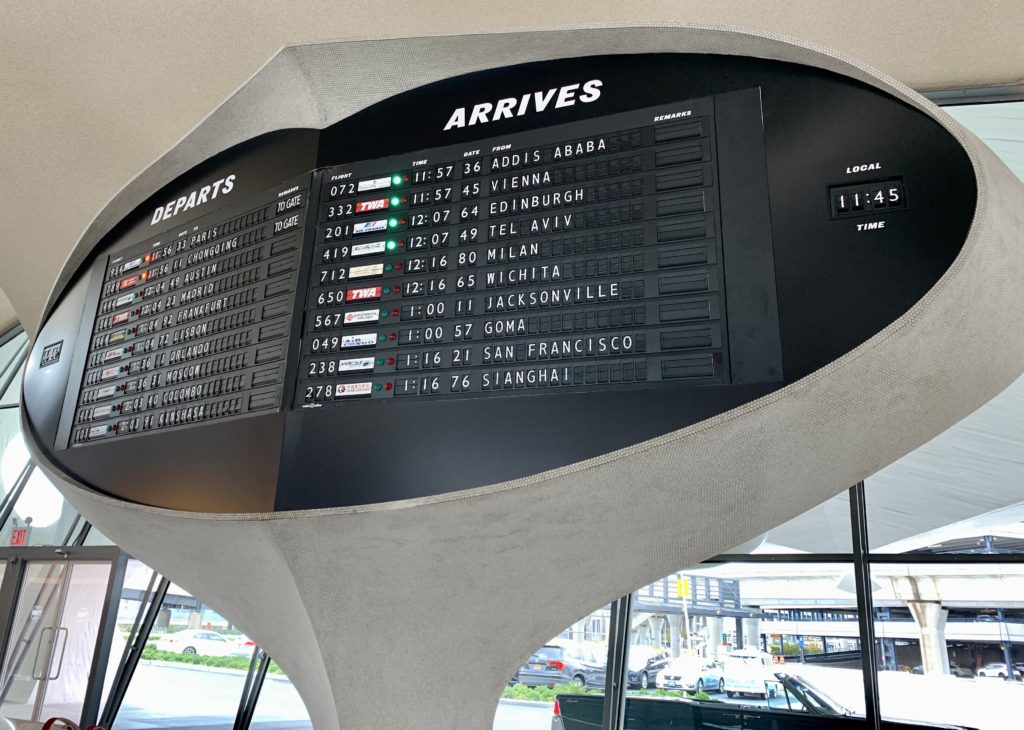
(92, 93)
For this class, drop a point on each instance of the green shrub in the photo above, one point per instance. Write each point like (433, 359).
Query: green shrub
(544, 694)
(548, 694)
(222, 662)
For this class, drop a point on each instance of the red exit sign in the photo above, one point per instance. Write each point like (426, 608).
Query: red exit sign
(19, 536)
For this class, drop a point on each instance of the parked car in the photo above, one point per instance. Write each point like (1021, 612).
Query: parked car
(747, 671)
(195, 641)
(564, 662)
(643, 666)
(957, 670)
(242, 645)
(691, 673)
(997, 669)
(796, 705)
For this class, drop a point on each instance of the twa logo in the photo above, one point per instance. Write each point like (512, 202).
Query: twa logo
(358, 295)
(369, 205)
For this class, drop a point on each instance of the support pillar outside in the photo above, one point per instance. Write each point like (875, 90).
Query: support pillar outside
(931, 622)
(751, 633)
(714, 637)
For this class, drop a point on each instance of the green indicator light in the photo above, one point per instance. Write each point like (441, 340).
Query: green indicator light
(391, 245)
(382, 338)
(388, 267)
(395, 200)
(396, 180)
(378, 387)
(392, 222)
(384, 315)
(380, 361)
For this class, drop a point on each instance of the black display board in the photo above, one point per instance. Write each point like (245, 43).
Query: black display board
(581, 256)
(491, 276)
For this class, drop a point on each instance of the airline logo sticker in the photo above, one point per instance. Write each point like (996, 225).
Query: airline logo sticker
(376, 184)
(370, 227)
(125, 299)
(361, 272)
(133, 264)
(365, 249)
(367, 293)
(355, 364)
(363, 317)
(365, 340)
(106, 391)
(367, 206)
(345, 390)
(122, 317)
(115, 354)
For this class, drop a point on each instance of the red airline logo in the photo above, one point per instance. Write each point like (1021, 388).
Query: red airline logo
(359, 295)
(369, 205)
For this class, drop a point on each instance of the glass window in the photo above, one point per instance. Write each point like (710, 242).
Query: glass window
(572, 664)
(10, 353)
(952, 638)
(12, 395)
(95, 537)
(757, 635)
(14, 454)
(40, 516)
(280, 705)
(193, 667)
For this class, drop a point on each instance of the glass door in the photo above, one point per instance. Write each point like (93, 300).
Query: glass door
(53, 637)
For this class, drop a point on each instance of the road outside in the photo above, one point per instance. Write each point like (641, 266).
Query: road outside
(189, 698)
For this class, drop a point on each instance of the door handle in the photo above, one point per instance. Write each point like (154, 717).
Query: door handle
(39, 647)
(63, 647)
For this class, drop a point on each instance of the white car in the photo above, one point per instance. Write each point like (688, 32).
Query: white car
(747, 671)
(241, 645)
(996, 669)
(196, 641)
(690, 673)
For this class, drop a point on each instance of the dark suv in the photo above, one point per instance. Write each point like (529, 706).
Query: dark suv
(566, 662)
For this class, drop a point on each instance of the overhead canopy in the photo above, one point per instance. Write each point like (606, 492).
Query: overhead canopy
(94, 93)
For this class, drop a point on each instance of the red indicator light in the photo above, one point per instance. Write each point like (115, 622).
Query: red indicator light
(387, 386)
(405, 200)
(398, 267)
(394, 312)
(395, 289)
(401, 244)
(391, 361)
(392, 337)
(148, 257)
(145, 276)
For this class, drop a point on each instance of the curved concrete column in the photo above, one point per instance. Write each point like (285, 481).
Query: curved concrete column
(498, 570)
